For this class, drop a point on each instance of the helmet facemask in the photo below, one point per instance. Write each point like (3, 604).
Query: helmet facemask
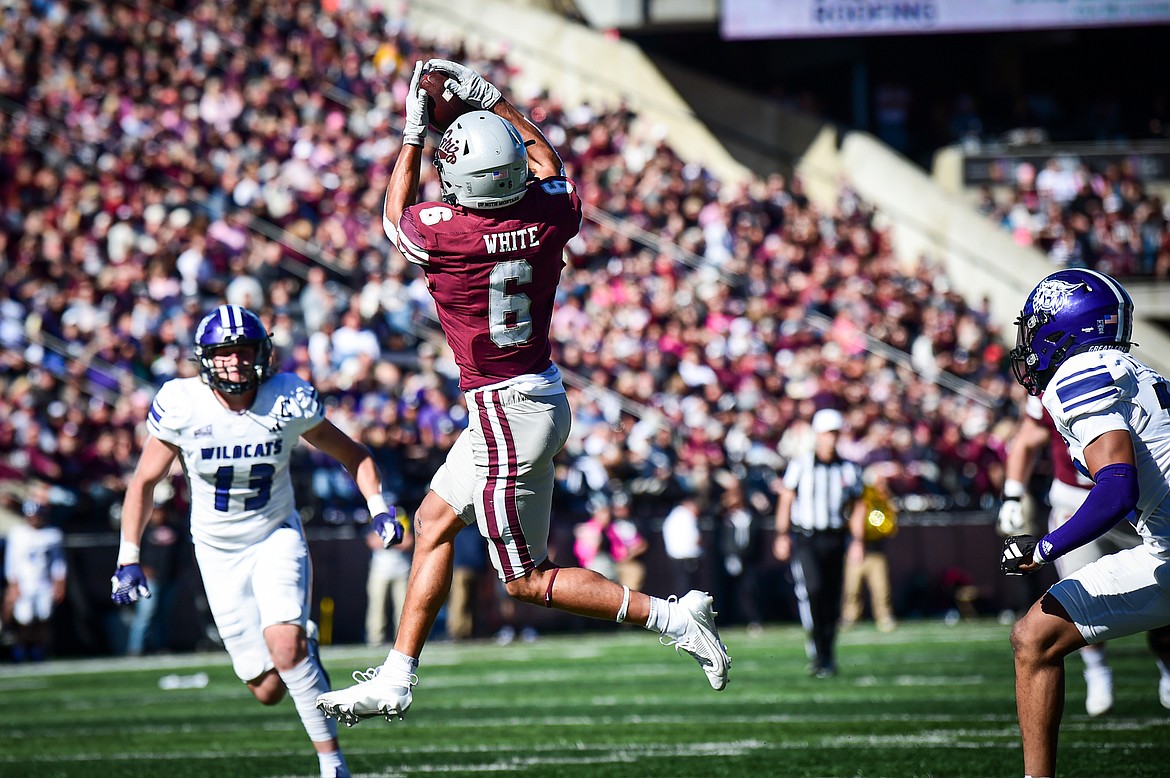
(231, 326)
(218, 377)
(1034, 364)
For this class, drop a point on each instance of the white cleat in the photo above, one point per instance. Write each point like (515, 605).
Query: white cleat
(1099, 691)
(701, 639)
(1164, 692)
(378, 692)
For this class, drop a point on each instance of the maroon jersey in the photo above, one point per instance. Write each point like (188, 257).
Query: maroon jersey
(494, 275)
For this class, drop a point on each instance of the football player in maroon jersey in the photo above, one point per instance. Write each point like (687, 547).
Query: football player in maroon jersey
(492, 250)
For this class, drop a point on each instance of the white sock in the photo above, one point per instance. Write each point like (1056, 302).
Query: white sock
(1094, 657)
(333, 765)
(666, 618)
(398, 662)
(1164, 670)
(304, 683)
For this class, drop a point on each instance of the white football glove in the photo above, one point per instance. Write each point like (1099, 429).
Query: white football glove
(1011, 518)
(415, 131)
(1016, 516)
(471, 87)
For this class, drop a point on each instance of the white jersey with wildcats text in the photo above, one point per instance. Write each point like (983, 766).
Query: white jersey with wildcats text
(236, 463)
(1099, 391)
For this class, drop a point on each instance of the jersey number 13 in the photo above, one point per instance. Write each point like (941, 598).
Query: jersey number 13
(259, 481)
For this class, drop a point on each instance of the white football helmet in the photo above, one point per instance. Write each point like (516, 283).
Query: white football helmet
(482, 162)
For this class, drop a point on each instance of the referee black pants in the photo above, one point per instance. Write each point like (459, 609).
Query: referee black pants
(818, 572)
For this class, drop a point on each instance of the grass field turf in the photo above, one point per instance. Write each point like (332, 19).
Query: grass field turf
(927, 700)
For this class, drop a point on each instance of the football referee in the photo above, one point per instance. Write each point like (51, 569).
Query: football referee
(820, 516)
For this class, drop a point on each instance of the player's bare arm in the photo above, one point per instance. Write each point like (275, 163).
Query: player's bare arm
(543, 159)
(857, 530)
(402, 191)
(153, 466)
(1015, 512)
(1029, 440)
(389, 523)
(782, 545)
(128, 583)
(1112, 448)
(353, 456)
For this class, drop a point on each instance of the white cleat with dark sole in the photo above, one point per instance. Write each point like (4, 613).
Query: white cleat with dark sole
(378, 692)
(701, 639)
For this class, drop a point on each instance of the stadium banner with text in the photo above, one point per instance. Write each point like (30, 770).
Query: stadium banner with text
(844, 18)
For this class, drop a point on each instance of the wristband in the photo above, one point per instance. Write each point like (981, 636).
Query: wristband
(128, 553)
(1012, 489)
(377, 504)
(621, 614)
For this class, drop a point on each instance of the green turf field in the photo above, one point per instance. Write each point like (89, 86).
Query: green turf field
(927, 700)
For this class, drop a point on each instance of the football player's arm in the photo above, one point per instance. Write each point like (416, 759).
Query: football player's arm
(154, 464)
(128, 584)
(857, 530)
(1028, 441)
(1111, 460)
(543, 159)
(356, 459)
(782, 545)
(353, 456)
(402, 191)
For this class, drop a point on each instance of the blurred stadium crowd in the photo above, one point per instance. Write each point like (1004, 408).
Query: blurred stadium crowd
(152, 165)
(1099, 216)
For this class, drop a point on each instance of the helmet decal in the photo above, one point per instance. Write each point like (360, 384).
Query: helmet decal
(1052, 295)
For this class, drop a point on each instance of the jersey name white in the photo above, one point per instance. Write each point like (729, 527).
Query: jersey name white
(512, 240)
(236, 463)
(1099, 391)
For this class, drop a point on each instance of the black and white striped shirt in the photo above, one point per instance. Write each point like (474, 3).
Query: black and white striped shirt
(824, 491)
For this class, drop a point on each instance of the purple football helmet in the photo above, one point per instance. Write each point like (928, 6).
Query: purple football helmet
(1068, 312)
(232, 325)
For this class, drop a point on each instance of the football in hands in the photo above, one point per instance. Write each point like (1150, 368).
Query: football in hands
(443, 105)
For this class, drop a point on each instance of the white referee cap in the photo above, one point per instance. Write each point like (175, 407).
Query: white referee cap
(827, 420)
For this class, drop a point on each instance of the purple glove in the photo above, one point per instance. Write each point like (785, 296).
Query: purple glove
(128, 585)
(391, 529)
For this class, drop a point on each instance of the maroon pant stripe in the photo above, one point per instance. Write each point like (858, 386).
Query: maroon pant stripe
(511, 511)
(489, 488)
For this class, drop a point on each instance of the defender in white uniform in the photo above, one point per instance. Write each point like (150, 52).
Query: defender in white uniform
(34, 565)
(1068, 491)
(1114, 413)
(233, 429)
